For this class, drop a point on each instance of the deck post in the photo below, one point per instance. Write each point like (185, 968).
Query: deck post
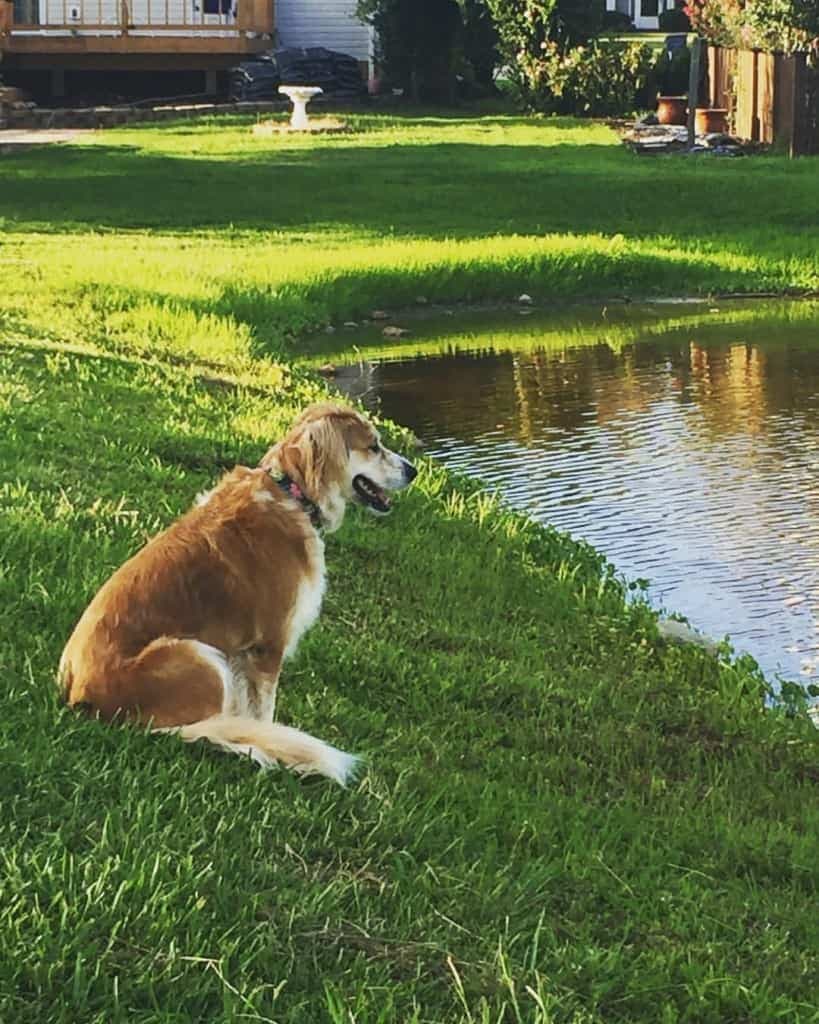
(58, 83)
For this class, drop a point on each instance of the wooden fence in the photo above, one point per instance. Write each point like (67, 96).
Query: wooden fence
(770, 97)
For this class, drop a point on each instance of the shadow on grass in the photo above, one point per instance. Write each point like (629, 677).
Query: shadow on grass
(113, 425)
(434, 190)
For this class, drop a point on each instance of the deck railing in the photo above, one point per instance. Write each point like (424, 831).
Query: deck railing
(103, 16)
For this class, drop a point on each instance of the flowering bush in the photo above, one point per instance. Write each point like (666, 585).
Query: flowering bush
(756, 24)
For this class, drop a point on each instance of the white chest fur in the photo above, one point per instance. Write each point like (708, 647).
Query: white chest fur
(307, 604)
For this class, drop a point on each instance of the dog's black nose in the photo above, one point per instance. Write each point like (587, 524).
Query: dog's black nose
(410, 472)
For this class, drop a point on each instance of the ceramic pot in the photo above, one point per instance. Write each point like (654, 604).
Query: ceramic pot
(672, 109)
(709, 120)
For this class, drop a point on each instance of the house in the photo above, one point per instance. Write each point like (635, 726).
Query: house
(645, 14)
(56, 36)
(328, 23)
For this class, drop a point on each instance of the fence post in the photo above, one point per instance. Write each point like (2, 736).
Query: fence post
(693, 88)
(805, 108)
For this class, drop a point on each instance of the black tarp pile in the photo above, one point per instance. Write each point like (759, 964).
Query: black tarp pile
(337, 74)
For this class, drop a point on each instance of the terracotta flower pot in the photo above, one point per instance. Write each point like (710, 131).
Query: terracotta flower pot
(711, 119)
(672, 109)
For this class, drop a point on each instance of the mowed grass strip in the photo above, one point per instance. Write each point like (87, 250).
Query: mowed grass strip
(205, 239)
(561, 819)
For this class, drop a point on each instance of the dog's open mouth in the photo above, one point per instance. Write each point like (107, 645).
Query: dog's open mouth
(370, 495)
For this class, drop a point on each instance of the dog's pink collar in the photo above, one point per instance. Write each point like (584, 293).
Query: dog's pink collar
(292, 490)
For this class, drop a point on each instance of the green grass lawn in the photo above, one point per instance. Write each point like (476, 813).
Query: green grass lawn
(561, 819)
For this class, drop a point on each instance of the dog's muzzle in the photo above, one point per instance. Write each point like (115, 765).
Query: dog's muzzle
(375, 498)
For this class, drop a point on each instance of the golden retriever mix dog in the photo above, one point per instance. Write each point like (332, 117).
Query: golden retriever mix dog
(190, 634)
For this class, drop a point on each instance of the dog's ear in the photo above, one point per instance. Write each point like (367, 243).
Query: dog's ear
(319, 453)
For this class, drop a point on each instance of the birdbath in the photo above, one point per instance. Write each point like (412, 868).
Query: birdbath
(300, 96)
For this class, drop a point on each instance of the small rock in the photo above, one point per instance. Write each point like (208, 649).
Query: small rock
(327, 370)
(379, 314)
(714, 139)
(395, 332)
(329, 329)
(525, 300)
(350, 323)
(682, 633)
(421, 300)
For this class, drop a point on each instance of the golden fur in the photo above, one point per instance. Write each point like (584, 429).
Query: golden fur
(190, 634)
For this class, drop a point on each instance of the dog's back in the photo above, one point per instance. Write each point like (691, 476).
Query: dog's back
(224, 576)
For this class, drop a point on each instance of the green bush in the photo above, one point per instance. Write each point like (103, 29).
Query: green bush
(553, 67)
(603, 78)
(524, 25)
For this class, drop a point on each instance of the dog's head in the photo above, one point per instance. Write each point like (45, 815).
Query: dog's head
(335, 455)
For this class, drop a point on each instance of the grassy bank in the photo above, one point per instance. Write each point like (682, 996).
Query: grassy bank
(435, 331)
(210, 241)
(562, 819)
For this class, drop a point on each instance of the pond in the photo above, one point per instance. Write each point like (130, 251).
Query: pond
(681, 441)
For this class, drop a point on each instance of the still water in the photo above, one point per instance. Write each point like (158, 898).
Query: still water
(685, 449)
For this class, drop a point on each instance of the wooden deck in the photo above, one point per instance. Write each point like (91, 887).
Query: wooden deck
(132, 34)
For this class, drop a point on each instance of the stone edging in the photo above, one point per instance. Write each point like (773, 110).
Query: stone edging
(18, 114)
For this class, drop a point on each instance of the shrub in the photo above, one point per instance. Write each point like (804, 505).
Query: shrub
(602, 78)
(554, 68)
(523, 25)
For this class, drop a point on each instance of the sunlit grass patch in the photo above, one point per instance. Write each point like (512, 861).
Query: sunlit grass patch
(562, 819)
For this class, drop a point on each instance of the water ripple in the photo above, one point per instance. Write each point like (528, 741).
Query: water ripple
(691, 464)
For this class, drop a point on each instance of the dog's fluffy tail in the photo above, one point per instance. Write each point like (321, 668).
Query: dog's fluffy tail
(269, 744)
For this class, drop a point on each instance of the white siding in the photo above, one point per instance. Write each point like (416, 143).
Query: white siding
(328, 23)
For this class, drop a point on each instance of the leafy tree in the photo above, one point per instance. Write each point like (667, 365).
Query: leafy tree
(479, 44)
(416, 44)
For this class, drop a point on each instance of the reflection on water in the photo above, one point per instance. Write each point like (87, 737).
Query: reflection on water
(689, 462)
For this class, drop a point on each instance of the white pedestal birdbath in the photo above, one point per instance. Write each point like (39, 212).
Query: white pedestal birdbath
(300, 96)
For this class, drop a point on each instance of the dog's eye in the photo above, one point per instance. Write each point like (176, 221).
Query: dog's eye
(375, 447)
